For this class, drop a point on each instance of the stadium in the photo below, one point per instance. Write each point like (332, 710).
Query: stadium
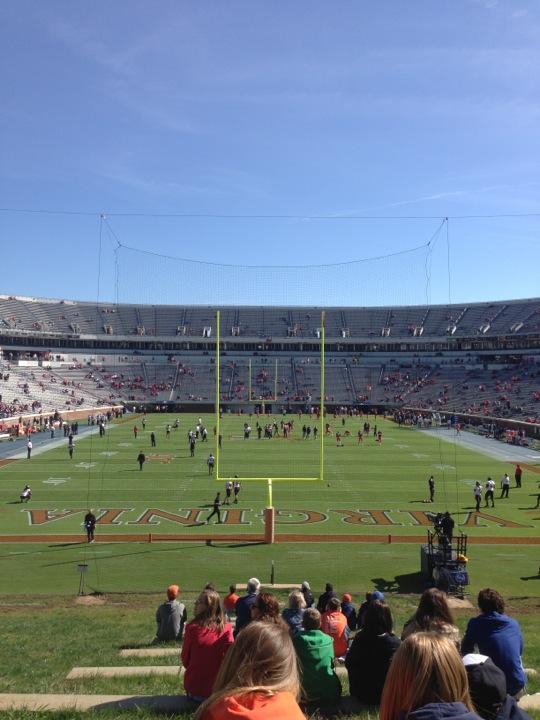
(270, 361)
(452, 390)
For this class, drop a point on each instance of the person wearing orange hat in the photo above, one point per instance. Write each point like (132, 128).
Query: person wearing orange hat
(171, 617)
(348, 609)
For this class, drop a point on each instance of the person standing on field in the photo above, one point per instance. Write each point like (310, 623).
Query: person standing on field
(431, 485)
(490, 489)
(505, 485)
(90, 525)
(215, 511)
(477, 495)
(141, 458)
(517, 475)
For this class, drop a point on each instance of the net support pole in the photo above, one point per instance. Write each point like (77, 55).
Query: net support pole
(249, 380)
(321, 433)
(269, 518)
(218, 319)
(275, 383)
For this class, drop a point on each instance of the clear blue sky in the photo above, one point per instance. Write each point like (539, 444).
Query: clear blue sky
(423, 108)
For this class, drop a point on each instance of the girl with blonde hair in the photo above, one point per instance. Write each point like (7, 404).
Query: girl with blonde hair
(426, 681)
(258, 678)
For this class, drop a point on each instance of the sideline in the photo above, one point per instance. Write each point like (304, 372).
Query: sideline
(42, 442)
(487, 446)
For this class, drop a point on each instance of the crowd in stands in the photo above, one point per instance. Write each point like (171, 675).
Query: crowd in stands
(282, 663)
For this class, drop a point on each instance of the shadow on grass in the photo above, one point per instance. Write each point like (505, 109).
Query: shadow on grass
(406, 584)
(156, 703)
(138, 552)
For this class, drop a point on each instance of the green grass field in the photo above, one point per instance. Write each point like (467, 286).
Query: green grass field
(369, 489)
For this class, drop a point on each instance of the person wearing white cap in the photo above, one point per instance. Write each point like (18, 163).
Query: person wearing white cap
(244, 603)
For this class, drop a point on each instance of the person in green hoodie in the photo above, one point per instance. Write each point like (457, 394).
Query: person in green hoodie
(315, 652)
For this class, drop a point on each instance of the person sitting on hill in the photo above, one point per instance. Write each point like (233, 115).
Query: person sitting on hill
(294, 613)
(433, 615)
(499, 637)
(370, 654)
(305, 589)
(315, 651)
(348, 609)
(170, 617)
(334, 623)
(229, 602)
(426, 681)
(487, 685)
(266, 609)
(362, 610)
(258, 678)
(328, 593)
(244, 603)
(206, 641)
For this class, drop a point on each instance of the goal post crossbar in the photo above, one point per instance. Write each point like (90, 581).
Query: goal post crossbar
(265, 479)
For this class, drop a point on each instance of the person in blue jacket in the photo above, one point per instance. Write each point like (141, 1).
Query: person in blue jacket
(244, 603)
(499, 637)
(426, 681)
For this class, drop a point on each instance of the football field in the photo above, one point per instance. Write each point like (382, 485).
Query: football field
(363, 522)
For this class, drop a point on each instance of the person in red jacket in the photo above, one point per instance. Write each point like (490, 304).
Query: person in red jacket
(206, 640)
(334, 623)
(258, 679)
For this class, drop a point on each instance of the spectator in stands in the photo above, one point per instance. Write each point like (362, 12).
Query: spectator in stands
(170, 617)
(258, 678)
(315, 651)
(308, 595)
(334, 623)
(433, 615)
(266, 609)
(370, 654)
(426, 681)
(294, 613)
(328, 593)
(229, 602)
(206, 640)
(243, 604)
(348, 609)
(499, 637)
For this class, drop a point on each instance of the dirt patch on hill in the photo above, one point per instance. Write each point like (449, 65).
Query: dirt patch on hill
(91, 600)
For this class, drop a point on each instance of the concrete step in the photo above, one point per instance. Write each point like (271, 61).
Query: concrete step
(123, 671)
(150, 652)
